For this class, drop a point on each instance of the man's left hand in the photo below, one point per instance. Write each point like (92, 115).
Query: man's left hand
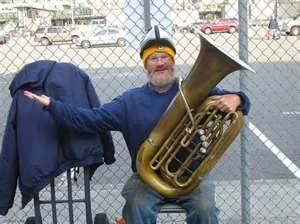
(228, 102)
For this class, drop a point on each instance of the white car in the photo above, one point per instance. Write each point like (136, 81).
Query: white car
(292, 27)
(103, 36)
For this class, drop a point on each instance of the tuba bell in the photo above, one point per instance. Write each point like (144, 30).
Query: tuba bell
(192, 135)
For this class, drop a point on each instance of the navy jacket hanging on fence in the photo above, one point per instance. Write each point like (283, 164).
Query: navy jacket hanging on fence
(35, 149)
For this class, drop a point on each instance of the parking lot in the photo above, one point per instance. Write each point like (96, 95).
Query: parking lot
(262, 50)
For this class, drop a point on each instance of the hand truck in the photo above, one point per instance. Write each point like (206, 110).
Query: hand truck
(99, 218)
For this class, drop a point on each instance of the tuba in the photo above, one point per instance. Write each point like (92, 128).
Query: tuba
(192, 135)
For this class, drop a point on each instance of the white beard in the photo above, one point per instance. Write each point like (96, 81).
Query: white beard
(162, 82)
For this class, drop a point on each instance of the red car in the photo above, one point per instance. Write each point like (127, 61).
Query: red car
(222, 25)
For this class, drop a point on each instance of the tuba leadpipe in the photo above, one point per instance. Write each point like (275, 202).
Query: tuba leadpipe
(191, 127)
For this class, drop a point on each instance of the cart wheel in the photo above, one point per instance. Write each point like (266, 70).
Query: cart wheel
(31, 220)
(101, 218)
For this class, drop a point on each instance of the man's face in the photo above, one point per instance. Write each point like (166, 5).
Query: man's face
(160, 69)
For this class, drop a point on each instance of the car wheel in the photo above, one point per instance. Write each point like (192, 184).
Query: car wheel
(45, 42)
(31, 220)
(75, 39)
(232, 29)
(121, 42)
(101, 218)
(295, 31)
(85, 44)
(4, 41)
(207, 31)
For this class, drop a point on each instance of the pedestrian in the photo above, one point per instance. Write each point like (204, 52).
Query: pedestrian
(273, 27)
(135, 113)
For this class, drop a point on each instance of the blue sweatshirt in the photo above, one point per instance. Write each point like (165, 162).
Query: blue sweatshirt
(134, 114)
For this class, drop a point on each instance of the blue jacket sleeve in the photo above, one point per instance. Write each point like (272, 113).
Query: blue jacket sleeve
(108, 117)
(8, 164)
(245, 107)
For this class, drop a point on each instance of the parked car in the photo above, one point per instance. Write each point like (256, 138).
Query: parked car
(182, 28)
(3, 37)
(196, 25)
(103, 36)
(291, 26)
(229, 25)
(49, 35)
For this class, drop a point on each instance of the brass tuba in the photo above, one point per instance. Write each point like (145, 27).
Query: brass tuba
(192, 135)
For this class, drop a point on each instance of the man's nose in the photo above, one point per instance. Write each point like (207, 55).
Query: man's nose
(161, 60)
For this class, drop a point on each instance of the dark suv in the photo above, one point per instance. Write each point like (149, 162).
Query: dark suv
(222, 25)
(48, 35)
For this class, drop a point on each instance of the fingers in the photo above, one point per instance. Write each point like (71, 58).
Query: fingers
(30, 95)
(224, 103)
(42, 99)
(219, 102)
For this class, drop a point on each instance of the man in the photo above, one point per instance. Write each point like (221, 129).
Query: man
(135, 113)
(274, 28)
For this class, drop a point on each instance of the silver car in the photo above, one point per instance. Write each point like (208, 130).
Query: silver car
(49, 35)
(103, 36)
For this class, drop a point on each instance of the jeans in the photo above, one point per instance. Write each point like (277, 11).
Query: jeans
(143, 204)
(275, 33)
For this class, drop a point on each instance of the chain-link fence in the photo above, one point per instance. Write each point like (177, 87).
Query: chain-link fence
(257, 180)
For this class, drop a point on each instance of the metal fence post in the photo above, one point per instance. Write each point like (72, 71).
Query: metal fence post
(243, 54)
(147, 15)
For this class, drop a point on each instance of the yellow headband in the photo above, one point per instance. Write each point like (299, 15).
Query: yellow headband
(147, 52)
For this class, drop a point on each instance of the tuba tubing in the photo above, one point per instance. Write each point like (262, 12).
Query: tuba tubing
(211, 66)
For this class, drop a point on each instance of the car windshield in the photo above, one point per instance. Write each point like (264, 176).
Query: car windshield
(52, 30)
(112, 31)
(101, 32)
(40, 30)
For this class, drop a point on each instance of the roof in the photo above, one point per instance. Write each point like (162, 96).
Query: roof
(42, 6)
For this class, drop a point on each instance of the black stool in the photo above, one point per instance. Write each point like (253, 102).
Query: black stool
(171, 207)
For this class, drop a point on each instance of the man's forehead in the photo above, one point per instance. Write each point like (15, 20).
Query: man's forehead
(159, 53)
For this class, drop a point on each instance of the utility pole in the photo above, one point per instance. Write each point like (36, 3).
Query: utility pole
(72, 13)
(276, 9)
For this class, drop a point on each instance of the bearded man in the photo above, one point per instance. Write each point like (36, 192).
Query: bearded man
(135, 113)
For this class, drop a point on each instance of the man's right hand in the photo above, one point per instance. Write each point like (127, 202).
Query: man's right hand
(42, 99)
